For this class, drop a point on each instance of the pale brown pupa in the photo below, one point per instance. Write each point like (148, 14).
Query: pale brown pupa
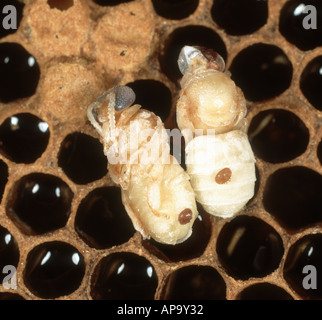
(156, 191)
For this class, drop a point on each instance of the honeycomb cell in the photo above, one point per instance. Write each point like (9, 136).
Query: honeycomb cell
(154, 96)
(311, 82)
(23, 137)
(262, 71)
(82, 159)
(11, 26)
(264, 291)
(101, 219)
(195, 283)
(191, 248)
(239, 17)
(300, 25)
(110, 2)
(61, 5)
(10, 296)
(9, 252)
(248, 247)
(293, 196)
(19, 72)
(39, 203)
(3, 177)
(53, 269)
(175, 10)
(125, 276)
(189, 35)
(278, 135)
(303, 265)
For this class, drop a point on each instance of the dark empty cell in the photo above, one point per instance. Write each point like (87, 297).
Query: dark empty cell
(293, 196)
(311, 82)
(125, 276)
(23, 137)
(190, 35)
(19, 72)
(195, 283)
(177, 147)
(240, 17)
(300, 25)
(3, 177)
(303, 267)
(257, 182)
(278, 135)
(39, 203)
(61, 5)
(262, 71)
(256, 187)
(82, 159)
(11, 12)
(102, 220)
(248, 247)
(319, 152)
(264, 291)
(154, 96)
(175, 9)
(10, 296)
(54, 269)
(107, 3)
(191, 248)
(9, 252)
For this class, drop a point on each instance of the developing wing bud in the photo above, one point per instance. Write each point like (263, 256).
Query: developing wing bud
(156, 191)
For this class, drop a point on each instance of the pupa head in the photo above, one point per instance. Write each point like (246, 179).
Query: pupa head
(116, 99)
(124, 97)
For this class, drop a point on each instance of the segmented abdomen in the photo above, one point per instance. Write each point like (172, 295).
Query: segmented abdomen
(222, 171)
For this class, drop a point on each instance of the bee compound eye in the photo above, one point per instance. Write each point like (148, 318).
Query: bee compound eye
(124, 97)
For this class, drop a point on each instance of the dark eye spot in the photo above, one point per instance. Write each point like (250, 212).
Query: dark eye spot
(223, 176)
(185, 216)
(215, 61)
(124, 97)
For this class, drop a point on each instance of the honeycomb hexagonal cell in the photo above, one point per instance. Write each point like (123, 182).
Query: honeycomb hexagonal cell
(54, 269)
(39, 203)
(19, 71)
(24, 137)
(194, 283)
(63, 225)
(101, 220)
(278, 135)
(124, 275)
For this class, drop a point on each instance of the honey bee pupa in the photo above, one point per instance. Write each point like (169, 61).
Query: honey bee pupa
(157, 195)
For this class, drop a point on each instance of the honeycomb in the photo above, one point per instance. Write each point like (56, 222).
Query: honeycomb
(62, 224)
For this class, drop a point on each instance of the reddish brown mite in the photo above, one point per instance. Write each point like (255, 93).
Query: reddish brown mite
(223, 176)
(185, 216)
